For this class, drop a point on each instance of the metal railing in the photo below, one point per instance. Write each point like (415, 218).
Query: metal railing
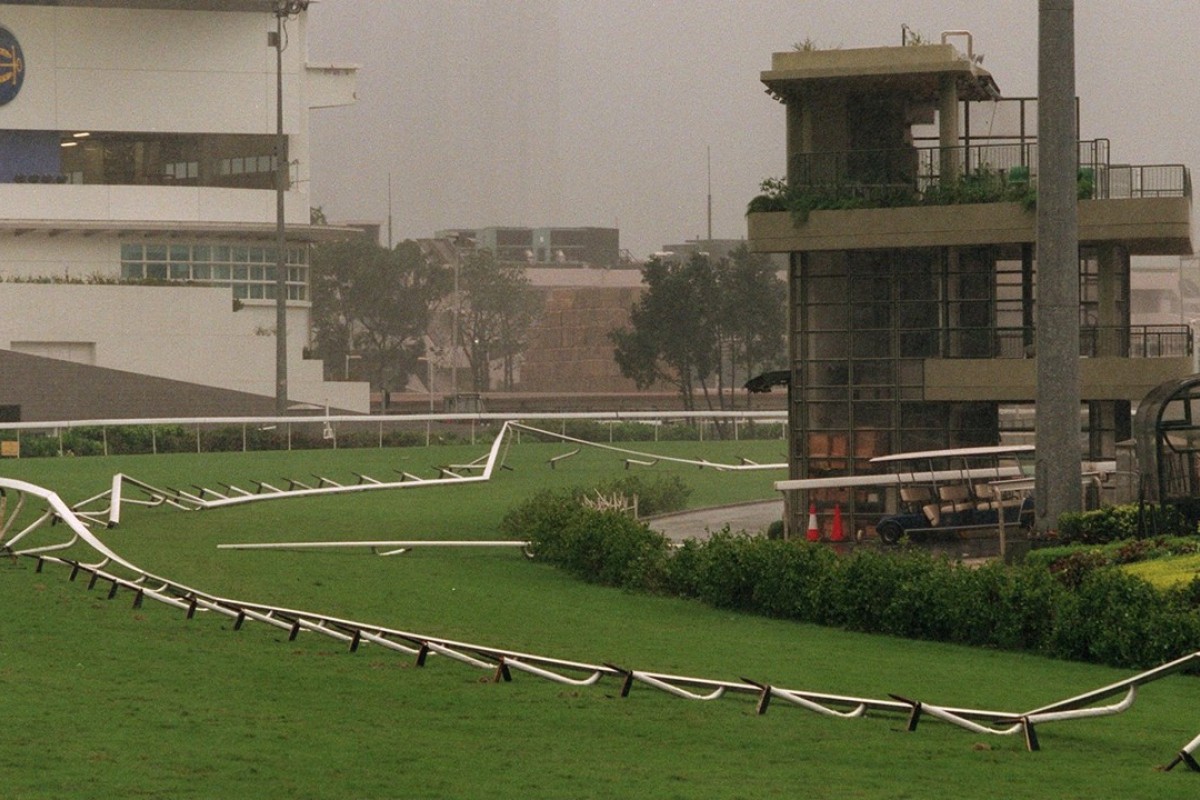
(1136, 341)
(252, 434)
(983, 173)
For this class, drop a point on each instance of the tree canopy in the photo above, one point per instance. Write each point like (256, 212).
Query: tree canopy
(497, 309)
(375, 303)
(703, 325)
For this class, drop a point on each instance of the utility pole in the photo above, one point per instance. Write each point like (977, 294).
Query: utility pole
(283, 9)
(709, 155)
(1058, 388)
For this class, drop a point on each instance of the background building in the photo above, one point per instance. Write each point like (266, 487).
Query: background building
(137, 194)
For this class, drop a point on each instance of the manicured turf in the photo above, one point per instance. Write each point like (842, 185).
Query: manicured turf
(104, 700)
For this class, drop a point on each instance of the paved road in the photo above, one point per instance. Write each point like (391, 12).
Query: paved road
(697, 524)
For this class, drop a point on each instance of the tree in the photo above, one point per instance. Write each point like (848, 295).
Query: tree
(673, 337)
(754, 314)
(375, 302)
(498, 306)
(703, 325)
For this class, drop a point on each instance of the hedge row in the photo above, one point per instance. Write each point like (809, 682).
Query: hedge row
(1100, 614)
(1072, 562)
(1128, 521)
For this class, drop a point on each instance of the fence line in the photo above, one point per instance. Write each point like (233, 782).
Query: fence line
(283, 432)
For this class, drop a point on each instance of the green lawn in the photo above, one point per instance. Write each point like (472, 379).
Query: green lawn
(104, 700)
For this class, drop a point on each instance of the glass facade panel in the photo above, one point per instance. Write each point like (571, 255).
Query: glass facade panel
(918, 344)
(917, 315)
(871, 344)
(828, 317)
(215, 265)
(873, 415)
(827, 345)
(866, 315)
(872, 373)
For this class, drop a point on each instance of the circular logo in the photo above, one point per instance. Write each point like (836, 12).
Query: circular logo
(12, 66)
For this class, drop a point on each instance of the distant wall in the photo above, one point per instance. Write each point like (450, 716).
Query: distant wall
(570, 350)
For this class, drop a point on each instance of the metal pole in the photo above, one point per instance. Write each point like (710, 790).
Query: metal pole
(1058, 390)
(429, 423)
(281, 180)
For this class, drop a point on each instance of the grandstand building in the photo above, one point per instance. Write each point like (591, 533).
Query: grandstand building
(138, 161)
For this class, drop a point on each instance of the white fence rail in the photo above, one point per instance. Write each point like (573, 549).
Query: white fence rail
(168, 434)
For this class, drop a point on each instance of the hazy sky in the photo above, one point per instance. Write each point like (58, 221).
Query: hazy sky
(600, 112)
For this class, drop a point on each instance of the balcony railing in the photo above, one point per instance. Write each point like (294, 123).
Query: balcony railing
(975, 173)
(1137, 341)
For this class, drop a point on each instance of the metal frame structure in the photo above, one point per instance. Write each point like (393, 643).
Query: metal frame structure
(120, 573)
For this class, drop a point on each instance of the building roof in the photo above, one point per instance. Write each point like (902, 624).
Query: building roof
(264, 6)
(314, 234)
(914, 69)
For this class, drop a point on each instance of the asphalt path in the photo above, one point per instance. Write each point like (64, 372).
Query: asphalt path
(699, 523)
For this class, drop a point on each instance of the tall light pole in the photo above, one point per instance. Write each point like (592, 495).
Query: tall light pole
(1058, 390)
(283, 10)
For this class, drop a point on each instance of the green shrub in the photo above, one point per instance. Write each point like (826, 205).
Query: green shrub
(656, 495)
(1071, 562)
(1126, 521)
(1025, 608)
(1118, 619)
(1071, 604)
(604, 547)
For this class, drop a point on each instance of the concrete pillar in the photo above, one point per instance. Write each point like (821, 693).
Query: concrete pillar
(1108, 316)
(797, 136)
(948, 131)
(1058, 392)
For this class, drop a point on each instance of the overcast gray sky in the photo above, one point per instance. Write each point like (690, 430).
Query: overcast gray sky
(600, 112)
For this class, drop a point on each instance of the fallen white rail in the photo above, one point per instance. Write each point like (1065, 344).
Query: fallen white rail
(1187, 755)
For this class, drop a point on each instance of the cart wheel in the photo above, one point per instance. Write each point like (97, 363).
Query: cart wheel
(889, 532)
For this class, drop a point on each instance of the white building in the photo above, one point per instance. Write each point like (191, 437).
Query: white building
(137, 146)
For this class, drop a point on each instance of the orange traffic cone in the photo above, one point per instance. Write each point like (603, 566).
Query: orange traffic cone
(814, 533)
(837, 535)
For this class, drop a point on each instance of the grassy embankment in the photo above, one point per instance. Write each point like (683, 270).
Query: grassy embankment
(107, 700)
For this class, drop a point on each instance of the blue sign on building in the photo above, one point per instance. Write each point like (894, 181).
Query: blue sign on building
(12, 66)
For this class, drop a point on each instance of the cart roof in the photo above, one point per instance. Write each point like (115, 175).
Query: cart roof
(960, 452)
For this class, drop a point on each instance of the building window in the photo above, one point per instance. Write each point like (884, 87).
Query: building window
(182, 170)
(248, 271)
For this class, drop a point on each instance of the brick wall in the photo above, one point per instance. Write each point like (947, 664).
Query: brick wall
(569, 350)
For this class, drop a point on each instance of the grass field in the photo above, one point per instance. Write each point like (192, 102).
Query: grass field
(104, 700)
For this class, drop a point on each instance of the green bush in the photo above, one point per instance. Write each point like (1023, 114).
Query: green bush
(1071, 604)
(1126, 521)
(604, 547)
(1071, 562)
(1119, 619)
(657, 495)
